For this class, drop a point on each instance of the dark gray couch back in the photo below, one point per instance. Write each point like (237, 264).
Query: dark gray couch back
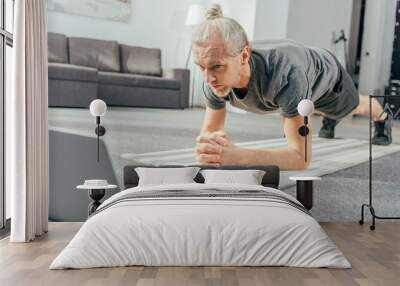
(100, 54)
(104, 55)
(57, 48)
(139, 60)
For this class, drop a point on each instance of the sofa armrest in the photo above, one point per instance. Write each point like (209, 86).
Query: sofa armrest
(182, 75)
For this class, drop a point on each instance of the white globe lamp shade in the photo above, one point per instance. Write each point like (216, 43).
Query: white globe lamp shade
(195, 15)
(305, 107)
(98, 107)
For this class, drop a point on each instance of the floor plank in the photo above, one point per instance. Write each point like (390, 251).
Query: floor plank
(374, 255)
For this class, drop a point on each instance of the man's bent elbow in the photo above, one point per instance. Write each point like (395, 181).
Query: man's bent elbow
(296, 165)
(302, 163)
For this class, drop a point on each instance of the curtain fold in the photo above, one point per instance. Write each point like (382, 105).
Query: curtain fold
(26, 123)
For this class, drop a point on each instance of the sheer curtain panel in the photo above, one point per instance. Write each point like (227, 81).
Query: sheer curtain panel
(26, 124)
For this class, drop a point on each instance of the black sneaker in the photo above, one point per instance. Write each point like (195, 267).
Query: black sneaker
(383, 131)
(328, 128)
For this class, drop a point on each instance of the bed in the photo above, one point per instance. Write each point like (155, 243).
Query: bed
(201, 224)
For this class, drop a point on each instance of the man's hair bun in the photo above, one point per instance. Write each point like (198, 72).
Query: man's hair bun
(231, 32)
(214, 12)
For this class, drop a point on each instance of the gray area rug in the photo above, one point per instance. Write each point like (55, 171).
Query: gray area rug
(339, 196)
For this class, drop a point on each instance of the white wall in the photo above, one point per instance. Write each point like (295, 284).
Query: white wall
(387, 41)
(313, 22)
(271, 18)
(154, 23)
(376, 53)
(241, 11)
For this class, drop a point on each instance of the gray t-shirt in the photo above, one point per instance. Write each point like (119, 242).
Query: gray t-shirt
(282, 74)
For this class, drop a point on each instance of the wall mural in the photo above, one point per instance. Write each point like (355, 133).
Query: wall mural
(115, 10)
(149, 119)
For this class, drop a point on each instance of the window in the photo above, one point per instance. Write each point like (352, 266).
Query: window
(6, 43)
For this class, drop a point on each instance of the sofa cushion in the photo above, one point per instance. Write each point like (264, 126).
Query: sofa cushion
(137, 80)
(140, 60)
(72, 72)
(100, 54)
(57, 48)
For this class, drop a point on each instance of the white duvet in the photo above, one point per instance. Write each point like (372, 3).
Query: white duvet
(200, 231)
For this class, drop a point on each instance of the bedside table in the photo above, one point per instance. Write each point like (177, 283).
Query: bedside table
(304, 189)
(96, 193)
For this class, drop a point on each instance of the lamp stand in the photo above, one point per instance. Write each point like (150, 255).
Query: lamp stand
(100, 131)
(188, 56)
(192, 78)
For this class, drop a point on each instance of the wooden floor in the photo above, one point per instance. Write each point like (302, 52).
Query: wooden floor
(374, 255)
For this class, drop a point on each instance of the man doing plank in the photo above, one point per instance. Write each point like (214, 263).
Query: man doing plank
(276, 77)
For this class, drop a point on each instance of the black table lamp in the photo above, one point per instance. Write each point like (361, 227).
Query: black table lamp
(305, 109)
(98, 108)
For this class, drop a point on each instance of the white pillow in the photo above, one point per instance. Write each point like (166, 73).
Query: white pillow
(163, 176)
(248, 177)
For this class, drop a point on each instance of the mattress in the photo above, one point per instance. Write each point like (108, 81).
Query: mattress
(201, 225)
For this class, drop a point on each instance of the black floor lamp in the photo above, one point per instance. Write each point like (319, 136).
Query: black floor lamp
(98, 108)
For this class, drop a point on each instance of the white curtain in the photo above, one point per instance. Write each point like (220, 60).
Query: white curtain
(26, 123)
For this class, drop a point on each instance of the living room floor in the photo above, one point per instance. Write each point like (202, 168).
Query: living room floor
(165, 129)
(374, 256)
(145, 130)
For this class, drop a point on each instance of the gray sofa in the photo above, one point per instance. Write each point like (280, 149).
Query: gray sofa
(82, 69)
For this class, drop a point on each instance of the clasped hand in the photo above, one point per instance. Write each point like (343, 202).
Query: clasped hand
(215, 149)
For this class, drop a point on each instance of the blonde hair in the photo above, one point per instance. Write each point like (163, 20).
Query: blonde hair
(232, 32)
